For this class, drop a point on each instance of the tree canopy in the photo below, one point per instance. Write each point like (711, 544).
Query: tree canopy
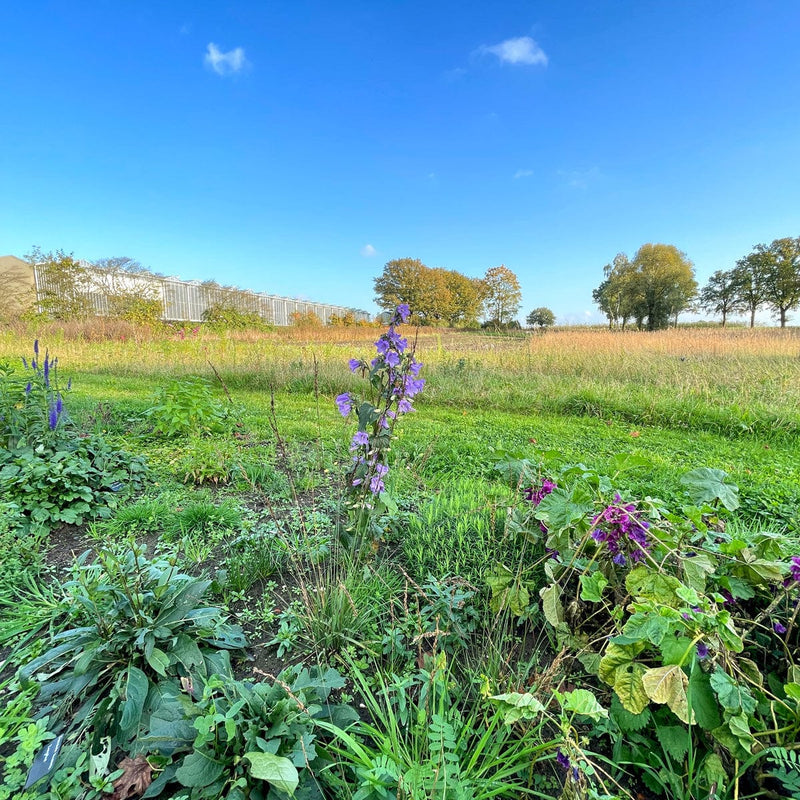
(502, 295)
(436, 296)
(542, 317)
(652, 288)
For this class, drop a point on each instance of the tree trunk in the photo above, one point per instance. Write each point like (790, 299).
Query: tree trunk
(783, 317)
(724, 316)
(752, 317)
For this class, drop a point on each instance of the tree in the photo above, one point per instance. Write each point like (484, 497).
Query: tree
(131, 290)
(614, 295)
(435, 296)
(62, 285)
(502, 295)
(664, 284)
(408, 280)
(542, 316)
(750, 281)
(779, 263)
(721, 295)
(465, 299)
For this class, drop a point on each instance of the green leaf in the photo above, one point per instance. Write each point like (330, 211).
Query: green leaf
(515, 706)
(714, 773)
(645, 584)
(668, 685)
(674, 740)
(674, 650)
(616, 656)
(696, 569)
(703, 700)
(732, 695)
(582, 701)
(705, 485)
(592, 587)
(198, 770)
(625, 461)
(276, 770)
(136, 688)
(159, 661)
(551, 604)
(629, 687)
(649, 626)
(626, 721)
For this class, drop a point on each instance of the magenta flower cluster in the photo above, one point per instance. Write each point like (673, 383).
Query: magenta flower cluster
(794, 572)
(394, 375)
(536, 495)
(623, 531)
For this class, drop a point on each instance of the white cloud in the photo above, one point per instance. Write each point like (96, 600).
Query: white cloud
(225, 63)
(368, 251)
(519, 50)
(523, 173)
(580, 179)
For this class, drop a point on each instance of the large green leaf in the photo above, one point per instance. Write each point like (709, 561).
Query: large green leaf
(198, 770)
(616, 656)
(515, 706)
(136, 687)
(643, 583)
(703, 700)
(705, 485)
(592, 587)
(629, 687)
(276, 770)
(732, 695)
(551, 604)
(582, 701)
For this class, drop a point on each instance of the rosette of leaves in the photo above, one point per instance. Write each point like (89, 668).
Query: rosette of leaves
(185, 407)
(143, 625)
(245, 740)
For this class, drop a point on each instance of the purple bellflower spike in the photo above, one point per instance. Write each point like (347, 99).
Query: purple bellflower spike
(24, 362)
(402, 313)
(36, 346)
(28, 388)
(53, 419)
(59, 404)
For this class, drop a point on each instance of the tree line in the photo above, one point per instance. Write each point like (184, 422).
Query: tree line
(658, 283)
(438, 296)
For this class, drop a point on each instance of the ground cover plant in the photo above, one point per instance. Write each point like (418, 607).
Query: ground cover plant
(372, 564)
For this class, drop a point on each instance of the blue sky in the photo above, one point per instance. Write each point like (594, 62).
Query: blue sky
(294, 147)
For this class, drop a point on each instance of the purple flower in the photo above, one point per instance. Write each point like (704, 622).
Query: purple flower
(620, 527)
(536, 496)
(414, 367)
(620, 559)
(24, 362)
(59, 404)
(359, 439)
(404, 406)
(28, 388)
(46, 371)
(382, 345)
(392, 359)
(53, 420)
(562, 759)
(702, 650)
(794, 571)
(354, 363)
(344, 403)
(412, 386)
(403, 312)
(36, 346)
(779, 628)
(376, 485)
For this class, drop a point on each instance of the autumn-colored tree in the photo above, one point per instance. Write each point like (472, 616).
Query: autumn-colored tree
(436, 296)
(502, 295)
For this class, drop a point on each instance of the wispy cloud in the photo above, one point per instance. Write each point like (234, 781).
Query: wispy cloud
(519, 50)
(579, 179)
(523, 173)
(225, 63)
(368, 251)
